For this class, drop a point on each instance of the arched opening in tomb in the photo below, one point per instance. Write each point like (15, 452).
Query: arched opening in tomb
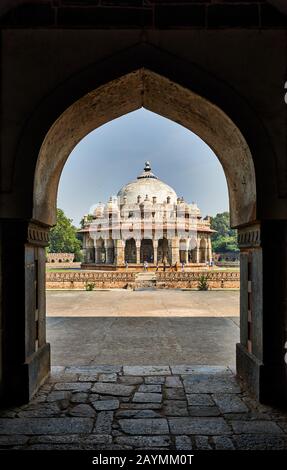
(130, 251)
(146, 253)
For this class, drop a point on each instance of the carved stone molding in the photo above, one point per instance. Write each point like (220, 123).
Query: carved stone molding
(249, 237)
(38, 235)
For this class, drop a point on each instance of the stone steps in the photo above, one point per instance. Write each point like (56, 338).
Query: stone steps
(145, 280)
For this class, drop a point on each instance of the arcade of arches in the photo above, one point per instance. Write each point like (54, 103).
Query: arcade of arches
(55, 90)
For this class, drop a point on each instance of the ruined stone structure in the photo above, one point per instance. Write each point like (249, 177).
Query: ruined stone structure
(146, 222)
(60, 257)
(219, 69)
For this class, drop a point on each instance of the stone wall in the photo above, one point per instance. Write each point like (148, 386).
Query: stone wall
(167, 280)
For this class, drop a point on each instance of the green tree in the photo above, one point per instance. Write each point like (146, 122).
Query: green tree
(225, 238)
(63, 237)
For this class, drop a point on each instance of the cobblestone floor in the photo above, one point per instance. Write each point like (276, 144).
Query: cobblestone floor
(143, 407)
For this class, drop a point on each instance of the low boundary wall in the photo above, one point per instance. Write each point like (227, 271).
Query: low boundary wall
(124, 280)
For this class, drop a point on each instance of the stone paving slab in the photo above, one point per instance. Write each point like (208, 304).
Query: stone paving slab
(146, 370)
(195, 425)
(45, 425)
(142, 407)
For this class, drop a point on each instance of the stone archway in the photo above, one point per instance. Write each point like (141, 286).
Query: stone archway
(165, 97)
(144, 88)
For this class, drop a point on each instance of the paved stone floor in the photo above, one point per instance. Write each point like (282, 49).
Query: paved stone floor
(143, 327)
(143, 407)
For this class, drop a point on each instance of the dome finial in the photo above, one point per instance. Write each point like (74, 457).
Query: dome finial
(147, 166)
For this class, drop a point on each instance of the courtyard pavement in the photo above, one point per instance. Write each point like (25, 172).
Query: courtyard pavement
(143, 404)
(142, 407)
(143, 327)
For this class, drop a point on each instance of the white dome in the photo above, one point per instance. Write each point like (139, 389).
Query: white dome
(146, 184)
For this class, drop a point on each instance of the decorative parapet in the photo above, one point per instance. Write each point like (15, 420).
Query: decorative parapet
(90, 277)
(195, 276)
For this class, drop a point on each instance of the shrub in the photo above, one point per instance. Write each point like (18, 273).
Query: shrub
(90, 286)
(203, 283)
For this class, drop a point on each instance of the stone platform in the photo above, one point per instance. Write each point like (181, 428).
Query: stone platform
(178, 407)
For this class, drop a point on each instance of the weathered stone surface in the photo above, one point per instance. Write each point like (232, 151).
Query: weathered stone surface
(223, 443)
(197, 369)
(138, 414)
(79, 397)
(149, 388)
(88, 378)
(107, 377)
(82, 410)
(183, 443)
(173, 381)
(113, 389)
(104, 405)
(210, 384)
(144, 426)
(147, 397)
(146, 370)
(203, 411)
(175, 408)
(174, 394)
(156, 379)
(196, 399)
(104, 422)
(16, 439)
(40, 410)
(230, 403)
(202, 443)
(194, 425)
(55, 439)
(98, 439)
(45, 425)
(66, 377)
(93, 370)
(255, 427)
(58, 395)
(141, 406)
(260, 442)
(132, 380)
(74, 386)
(144, 441)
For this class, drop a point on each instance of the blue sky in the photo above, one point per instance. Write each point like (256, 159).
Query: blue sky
(114, 154)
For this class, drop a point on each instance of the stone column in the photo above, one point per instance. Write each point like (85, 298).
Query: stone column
(263, 289)
(155, 247)
(25, 352)
(108, 251)
(138, 251)
(206, 250)
(197, 252)
(209, 249)
(119, 252)
(174, 250)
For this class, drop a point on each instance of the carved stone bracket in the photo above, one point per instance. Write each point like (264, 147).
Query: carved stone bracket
(38, 235)
(249, 237)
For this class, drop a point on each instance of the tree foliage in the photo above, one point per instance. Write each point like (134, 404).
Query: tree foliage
(63, 237)
(225, 238)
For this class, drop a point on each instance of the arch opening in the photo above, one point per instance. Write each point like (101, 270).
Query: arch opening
(160, 95)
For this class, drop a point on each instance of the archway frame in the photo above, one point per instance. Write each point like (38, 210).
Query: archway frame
(144, 88)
